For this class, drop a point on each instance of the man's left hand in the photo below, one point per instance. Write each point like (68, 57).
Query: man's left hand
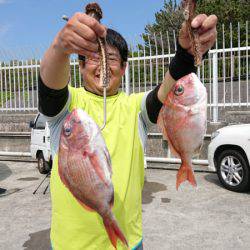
(206, 26)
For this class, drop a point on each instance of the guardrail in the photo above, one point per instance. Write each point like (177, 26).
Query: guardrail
(225, 73)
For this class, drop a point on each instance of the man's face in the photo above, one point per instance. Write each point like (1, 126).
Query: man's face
(90, 71)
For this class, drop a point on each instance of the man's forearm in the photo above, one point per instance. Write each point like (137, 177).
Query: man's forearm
(182, 64)
(55, 67)
(166, 86)
(157, 96)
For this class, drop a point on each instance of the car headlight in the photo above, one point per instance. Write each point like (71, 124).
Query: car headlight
(214, 134)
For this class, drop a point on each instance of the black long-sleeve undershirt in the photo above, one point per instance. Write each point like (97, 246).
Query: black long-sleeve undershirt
(52, 101)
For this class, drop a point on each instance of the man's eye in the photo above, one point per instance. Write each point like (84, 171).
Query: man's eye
(113, 59)
(93, 60)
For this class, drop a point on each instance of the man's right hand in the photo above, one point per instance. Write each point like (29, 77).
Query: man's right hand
(79, 35)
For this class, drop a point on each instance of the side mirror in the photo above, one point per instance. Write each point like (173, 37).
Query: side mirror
(32, 124)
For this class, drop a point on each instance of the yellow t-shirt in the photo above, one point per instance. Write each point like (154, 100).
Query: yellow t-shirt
(73, 227)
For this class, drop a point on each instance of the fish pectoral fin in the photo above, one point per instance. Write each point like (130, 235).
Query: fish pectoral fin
(107, 155)
(97, 166)
(160, 123)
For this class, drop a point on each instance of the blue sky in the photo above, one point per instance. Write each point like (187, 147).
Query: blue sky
(34, 23)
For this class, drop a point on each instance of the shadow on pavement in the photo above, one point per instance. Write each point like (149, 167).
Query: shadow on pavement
(5, 171)
(38, 241)
(213, 178)
(6, 192)
(149, 189)
(28, 179)
(165, 200)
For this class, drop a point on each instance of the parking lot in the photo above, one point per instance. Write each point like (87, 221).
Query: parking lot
(208, 217)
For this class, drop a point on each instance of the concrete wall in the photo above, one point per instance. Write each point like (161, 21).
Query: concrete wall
(14, 143)
(16, 122)
(14, 132)
(156, 146)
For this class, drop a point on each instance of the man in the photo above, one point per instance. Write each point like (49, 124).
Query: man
(128, 118)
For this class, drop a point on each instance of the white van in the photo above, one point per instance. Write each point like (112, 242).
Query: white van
(40, 144)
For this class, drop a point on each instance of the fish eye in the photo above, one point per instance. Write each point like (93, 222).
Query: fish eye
(67, 131)
(179, 90)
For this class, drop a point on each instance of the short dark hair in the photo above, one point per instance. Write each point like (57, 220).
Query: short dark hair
(117, 41)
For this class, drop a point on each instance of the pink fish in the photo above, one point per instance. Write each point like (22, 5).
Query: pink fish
(182, 121)
(85, 169)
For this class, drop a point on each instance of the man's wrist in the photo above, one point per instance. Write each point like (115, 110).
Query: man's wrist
(182, 64)
(57, 48)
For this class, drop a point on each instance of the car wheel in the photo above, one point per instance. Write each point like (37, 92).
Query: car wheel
(42, 165)
(233, 171)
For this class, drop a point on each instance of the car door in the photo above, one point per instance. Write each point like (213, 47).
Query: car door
(248, 144)
(38, 134)
(46, 152)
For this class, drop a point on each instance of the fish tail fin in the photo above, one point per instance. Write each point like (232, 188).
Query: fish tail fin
(185, 173)
(114, 232)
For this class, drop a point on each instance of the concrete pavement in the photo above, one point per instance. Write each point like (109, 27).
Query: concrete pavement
(208, 217)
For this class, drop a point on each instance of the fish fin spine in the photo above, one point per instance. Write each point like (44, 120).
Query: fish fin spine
(185, 173)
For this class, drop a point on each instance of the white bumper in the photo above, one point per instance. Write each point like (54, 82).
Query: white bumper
(211, 165)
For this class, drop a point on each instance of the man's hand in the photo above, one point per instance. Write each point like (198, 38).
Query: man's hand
(79, 35)
(207, 31)
(206, 26)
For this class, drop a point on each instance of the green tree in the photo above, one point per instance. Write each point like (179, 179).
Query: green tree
(167, 21)
(170, 17)
(228, 11)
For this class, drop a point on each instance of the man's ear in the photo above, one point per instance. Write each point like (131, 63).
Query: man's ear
(81, 65)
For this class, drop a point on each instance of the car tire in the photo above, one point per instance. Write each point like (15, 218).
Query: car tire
(42, 165)
(233, 171)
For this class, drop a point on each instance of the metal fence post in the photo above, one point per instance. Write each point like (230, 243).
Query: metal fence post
(127, 80)
(215, 87)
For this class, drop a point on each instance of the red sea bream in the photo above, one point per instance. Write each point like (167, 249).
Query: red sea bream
(182, 121)
(85, 169)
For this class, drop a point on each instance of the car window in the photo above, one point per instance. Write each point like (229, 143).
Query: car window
(40, 122)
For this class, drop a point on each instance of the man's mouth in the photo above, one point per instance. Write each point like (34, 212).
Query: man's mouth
(97, 80)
